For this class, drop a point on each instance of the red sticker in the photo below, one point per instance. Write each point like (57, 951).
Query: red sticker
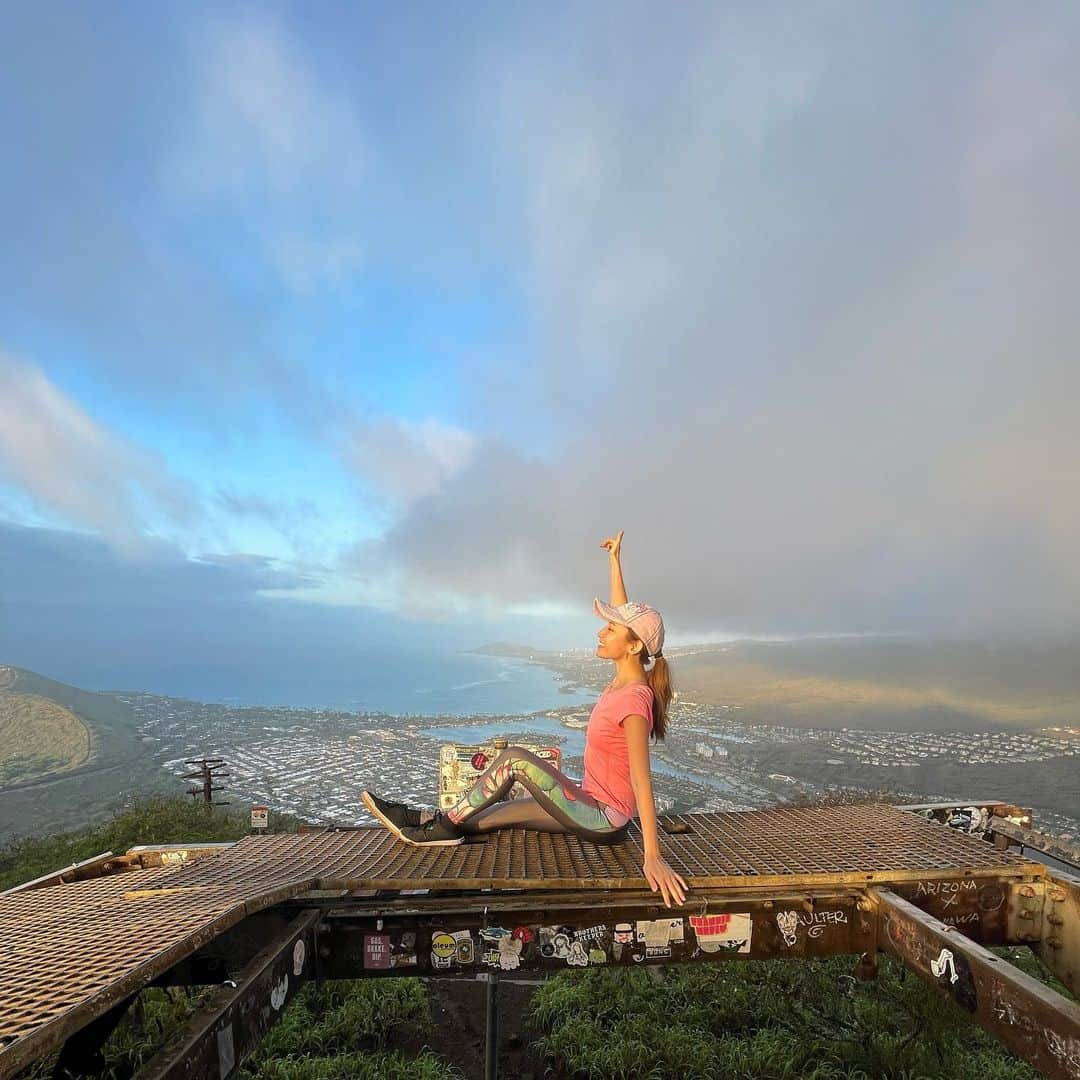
(479, 760)
(377, 951)
(523, 934)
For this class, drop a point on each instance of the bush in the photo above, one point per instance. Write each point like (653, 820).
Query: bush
(344, 1017)
(155, 819)
(763, 1020)
(380, 1066)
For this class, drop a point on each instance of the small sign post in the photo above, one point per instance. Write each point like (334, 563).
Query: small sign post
(260, 817)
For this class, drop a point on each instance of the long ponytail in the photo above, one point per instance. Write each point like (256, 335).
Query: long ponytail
(659, 676)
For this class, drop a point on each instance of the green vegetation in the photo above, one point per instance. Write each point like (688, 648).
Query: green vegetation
(344, 1029)
(154, 819)
(766, 1020)
(49, 780)
(38, 737)
(338, 1029)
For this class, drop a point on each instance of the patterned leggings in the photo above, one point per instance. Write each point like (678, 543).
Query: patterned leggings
(557, 794)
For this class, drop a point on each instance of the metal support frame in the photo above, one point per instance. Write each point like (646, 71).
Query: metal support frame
(936, 924)
(81, 1054)
(1007, 826)
(444, 937)
(1055, 847)
(936, 931)
(491, 1027)
(231, 1024)
(97, 866)
(1059, 942)
(1036, 1023)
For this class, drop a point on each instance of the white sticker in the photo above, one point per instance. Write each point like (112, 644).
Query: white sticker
(943, 963)
(226, 1051)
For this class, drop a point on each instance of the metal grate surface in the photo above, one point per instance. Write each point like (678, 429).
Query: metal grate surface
(69, 951)
(863, 841)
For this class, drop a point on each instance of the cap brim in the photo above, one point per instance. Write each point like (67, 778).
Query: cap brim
(606, 611)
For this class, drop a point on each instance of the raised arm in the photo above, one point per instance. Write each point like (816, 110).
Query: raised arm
(618, 589)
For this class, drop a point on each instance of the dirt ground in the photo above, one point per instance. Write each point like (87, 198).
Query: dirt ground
(458, 1011)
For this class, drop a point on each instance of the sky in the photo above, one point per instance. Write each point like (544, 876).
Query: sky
(374, 320)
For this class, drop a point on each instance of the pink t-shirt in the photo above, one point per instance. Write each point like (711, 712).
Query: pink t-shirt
(607, 757)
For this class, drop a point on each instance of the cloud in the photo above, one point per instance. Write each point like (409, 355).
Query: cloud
(406, 460)
(260, 571)
(75, 609)
(792, 295)
(299, 520)
(807, 332)
(71, 465)
(273, 142)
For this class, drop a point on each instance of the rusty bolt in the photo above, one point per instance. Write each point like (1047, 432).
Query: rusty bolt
(1026, 890)
(1057, 920)
(1054, 942)
(1026, 915)
(1057, 896)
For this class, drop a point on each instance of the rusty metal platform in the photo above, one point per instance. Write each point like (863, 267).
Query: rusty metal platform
(69, 952)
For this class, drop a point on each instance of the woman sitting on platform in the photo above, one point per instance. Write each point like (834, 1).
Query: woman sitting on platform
(617, 785)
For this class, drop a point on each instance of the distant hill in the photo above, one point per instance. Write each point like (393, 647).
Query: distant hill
(39, 737)
(67, 756)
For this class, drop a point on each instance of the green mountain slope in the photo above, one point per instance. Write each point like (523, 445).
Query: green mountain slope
(38, 737)
(49, 780)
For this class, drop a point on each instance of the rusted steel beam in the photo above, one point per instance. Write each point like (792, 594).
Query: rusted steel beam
(804, 881)
(147, 856)
(82, 1055)
(1054, 846)
(978, 907)
(1039, 1025)
(367, 903)
(233, 950)
(232, 1022)
(137, 858)
(97, 866)
(939, 810)
(550, 938)
(1059, 943)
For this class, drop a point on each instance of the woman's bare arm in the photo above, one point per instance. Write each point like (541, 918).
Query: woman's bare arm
(657, 872)
(618, 589)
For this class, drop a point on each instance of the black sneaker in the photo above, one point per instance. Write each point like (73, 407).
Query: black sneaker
(391, 814)
(439, 830)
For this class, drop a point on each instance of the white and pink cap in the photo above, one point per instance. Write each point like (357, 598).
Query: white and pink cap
(642, 619)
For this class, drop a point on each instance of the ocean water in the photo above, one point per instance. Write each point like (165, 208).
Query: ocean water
(429, 684)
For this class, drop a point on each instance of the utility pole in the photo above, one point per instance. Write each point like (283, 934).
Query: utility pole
(209, 772)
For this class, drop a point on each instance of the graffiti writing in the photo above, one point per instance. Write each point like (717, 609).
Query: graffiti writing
(961, 920)
(814, 922)
(949, 891)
